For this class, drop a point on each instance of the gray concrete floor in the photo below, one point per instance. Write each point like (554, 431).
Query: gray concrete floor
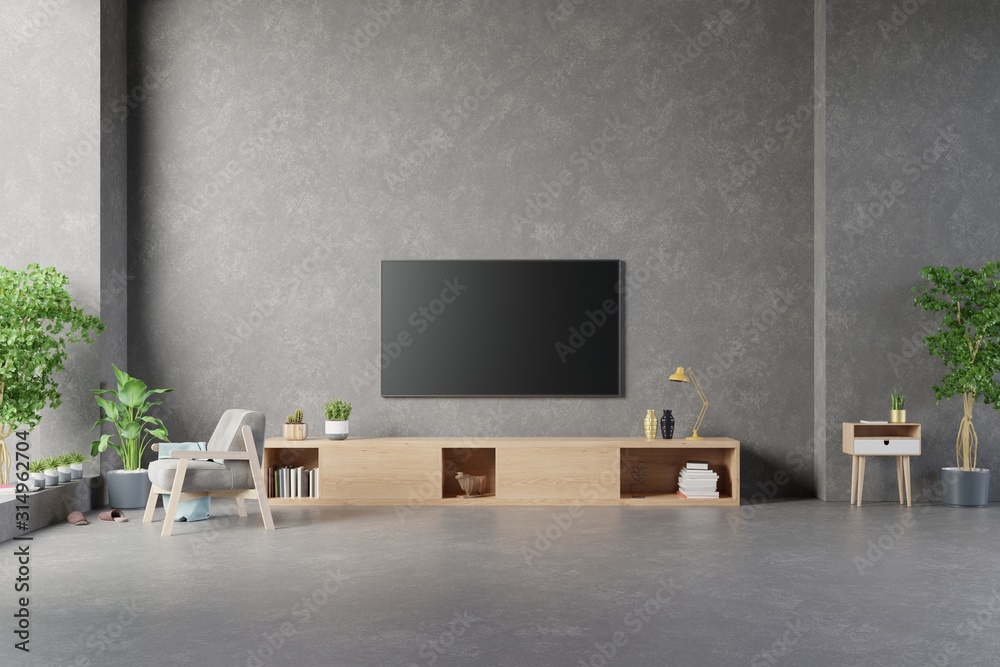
(791, 583)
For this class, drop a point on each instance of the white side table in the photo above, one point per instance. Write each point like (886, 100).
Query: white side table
(864, 440)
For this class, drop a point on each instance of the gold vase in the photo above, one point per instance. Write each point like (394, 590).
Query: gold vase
(897, 416)
(649, 423)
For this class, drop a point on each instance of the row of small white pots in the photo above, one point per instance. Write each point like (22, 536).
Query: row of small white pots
(55, 476)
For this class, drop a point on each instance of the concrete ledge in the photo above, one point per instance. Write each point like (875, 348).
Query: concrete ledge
(51, 505)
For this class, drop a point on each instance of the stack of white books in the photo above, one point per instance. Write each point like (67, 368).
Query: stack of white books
(697, 481)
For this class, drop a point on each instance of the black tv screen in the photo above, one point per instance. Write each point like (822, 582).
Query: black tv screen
(501, 328)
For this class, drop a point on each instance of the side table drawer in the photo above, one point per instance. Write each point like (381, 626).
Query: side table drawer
(887, 446)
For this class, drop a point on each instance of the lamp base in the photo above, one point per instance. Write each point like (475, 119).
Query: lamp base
(694, 436)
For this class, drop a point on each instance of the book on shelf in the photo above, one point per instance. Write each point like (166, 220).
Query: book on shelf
(692, 495)
(6, 490)
(697, 480)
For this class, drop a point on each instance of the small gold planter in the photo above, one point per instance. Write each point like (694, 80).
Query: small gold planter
(897, 416)
(649, 423)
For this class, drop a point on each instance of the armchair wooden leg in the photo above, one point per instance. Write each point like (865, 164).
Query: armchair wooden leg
(241, 508)
(175, 497)
(261, 488)
(150, 505)
(265, 510)
(258, 479)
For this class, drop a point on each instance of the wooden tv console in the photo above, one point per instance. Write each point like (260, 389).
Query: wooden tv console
(519, 471)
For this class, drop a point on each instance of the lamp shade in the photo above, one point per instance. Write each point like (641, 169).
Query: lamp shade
(679, 375)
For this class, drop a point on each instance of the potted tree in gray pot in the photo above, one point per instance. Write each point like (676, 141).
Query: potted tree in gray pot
(968, 341)
(127, 410)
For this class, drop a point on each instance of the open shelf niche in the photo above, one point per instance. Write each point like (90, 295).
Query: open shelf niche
(663, 467)
(471, 461)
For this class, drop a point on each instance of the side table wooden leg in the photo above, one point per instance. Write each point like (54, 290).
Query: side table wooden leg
(861, 478)
(854, 477)
(906, 475)
(899, 477)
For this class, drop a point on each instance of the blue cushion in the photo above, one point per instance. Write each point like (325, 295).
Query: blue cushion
(187, 510)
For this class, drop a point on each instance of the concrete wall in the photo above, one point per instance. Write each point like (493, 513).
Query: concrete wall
(114, 196)
(50, 142)
(287, 148)
(912, 145)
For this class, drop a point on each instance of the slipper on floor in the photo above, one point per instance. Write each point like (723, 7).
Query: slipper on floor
(77, 519)
(114, 515)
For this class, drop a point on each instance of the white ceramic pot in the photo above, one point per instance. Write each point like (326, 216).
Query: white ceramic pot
(65, 474)
(336, 430)
(76, 470)
(52, 477)
(36, 481)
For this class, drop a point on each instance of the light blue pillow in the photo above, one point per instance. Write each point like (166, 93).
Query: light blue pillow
(187, 510)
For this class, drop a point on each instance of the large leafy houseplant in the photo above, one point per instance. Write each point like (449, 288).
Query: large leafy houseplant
(968, 341)
(127, 411)
(37, 321)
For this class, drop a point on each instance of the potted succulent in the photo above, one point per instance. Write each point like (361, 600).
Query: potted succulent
(76, 461)
(127, 411)
(337, 413)
(36, 475)
(39, 320)
(51, 466)
(968, 342)
(897, 403)
(293, 428)
(65, 472)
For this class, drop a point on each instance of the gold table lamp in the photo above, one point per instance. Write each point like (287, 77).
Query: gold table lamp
(680, 375)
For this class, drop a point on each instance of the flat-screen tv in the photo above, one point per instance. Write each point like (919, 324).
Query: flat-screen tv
(502, 328)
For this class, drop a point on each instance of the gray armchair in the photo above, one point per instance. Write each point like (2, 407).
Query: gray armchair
(235, 448)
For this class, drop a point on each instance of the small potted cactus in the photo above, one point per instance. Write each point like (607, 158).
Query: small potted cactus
(337, 412)
(294, 428)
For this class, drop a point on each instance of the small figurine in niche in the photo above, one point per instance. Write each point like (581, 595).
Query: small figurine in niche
(472, 485)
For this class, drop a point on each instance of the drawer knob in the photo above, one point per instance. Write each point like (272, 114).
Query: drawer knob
(886, 442)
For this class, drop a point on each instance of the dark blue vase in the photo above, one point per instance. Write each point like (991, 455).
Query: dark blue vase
(667, 425)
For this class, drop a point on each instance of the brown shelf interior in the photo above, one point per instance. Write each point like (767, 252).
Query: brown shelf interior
(663, 466)
(307, 457)
(471, 461)
(886, 430)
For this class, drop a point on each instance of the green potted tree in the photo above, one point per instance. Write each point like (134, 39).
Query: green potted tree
(337, 413)
(39, 320)
(968, 341)
(127, 411)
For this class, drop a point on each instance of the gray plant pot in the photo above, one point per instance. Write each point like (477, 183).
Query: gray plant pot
(128, 489)
(52, 477)
(965, 488)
